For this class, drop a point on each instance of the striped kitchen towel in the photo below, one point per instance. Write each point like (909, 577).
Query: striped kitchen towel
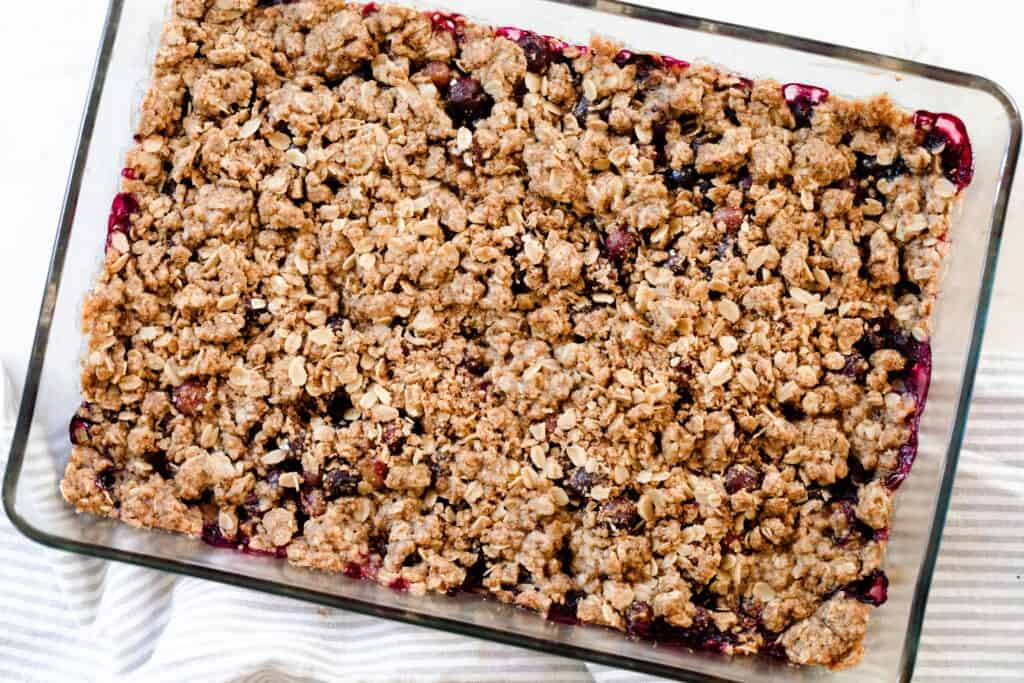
(66, 618)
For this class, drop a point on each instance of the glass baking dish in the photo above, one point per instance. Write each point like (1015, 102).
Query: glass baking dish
(33, 502)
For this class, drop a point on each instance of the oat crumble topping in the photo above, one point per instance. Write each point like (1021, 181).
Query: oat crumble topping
(613, 337)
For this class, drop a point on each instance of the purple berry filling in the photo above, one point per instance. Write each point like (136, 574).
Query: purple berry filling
(916, 384)
(78, 430)
(703, 634)
(641, 623)
(128, 172)
(639, 617)
(684, 178)
(448, 22)
(676, 262)
(340, 482)
(540, 50)
(771, 647)
(280, 553)
(122, 209)
(885, 333)
(392, 436)
(873, 589)
(475, 365)
(619, 513)
(158, 461)
(868, 168)
(106, 479)
(475, 574)
(802, 99)
(855, 529)
(539, 54)
(565, 613)
(213, 536)
(549, 46)
(626, 57)
(946, 134)
(674, 63)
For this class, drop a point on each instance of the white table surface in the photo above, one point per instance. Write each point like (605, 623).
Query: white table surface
(49, 47)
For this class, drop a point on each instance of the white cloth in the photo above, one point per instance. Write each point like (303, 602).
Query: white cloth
(64, 617)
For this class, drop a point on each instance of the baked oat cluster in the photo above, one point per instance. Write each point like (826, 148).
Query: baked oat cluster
(606, 335)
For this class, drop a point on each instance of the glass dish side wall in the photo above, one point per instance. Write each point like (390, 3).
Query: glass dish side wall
(33, 499)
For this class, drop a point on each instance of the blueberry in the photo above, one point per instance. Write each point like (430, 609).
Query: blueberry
(676, 262)
(802, 99)
(538, 52)
(855, 367)
(378, 544)
(475, 573)
(340, 482)
(619, 244)
(894, 170)
(392, 436)
(802, 110)
(474, 364)
(581, 482)
(106, 479)
(868, 167)
(619, 513)
(467, 100)
(580, 110)
(682, 178)
(865, 167)
(338, 405)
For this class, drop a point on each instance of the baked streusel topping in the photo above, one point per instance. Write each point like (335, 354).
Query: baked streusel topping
(610, 336)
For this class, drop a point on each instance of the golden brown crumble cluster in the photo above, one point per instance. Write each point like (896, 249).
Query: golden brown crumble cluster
(610, 337)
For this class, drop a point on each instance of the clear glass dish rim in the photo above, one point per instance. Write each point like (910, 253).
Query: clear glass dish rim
(615, 7)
